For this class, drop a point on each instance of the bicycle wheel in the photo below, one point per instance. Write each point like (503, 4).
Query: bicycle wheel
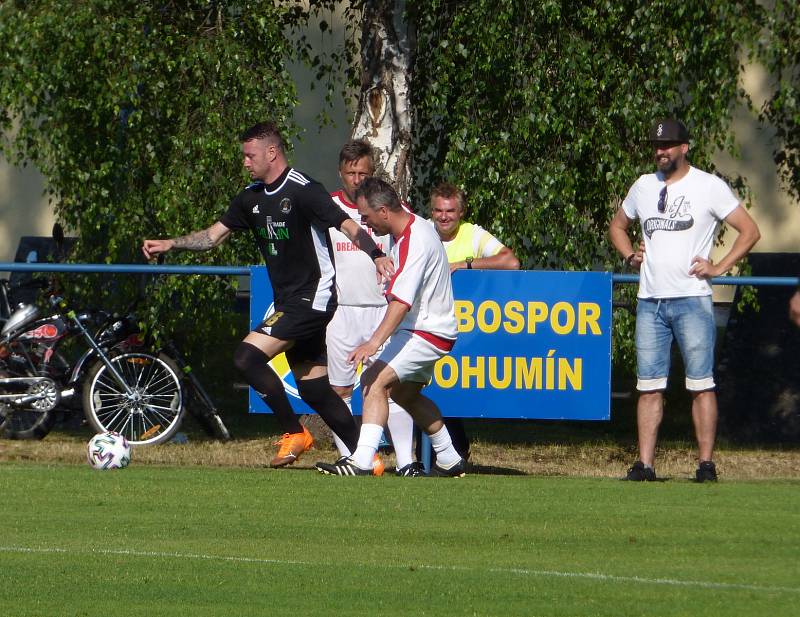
(148, 410)
(36, 419)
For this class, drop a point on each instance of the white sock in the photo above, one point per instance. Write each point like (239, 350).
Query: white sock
(401, 426)
(368, 441)
(446, 455)
(343, 449)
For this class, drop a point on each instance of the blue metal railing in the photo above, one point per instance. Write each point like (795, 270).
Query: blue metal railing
(124, 268)
(787, 281)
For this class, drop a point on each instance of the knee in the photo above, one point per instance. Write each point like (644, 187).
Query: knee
(248, 358)
(374, 387)
(344, 392)
(650, 402)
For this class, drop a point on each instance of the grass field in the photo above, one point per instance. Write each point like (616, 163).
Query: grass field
(169, 540)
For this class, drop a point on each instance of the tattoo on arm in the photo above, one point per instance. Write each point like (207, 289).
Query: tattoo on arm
(196, 241)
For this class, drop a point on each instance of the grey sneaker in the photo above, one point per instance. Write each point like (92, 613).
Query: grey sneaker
(639, 473)
(706, 472)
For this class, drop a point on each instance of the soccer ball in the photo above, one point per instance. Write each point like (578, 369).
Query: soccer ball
(108, 450)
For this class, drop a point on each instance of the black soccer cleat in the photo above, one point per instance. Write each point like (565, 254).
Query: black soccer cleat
(343, 467)
(458, 470)
(412, 470)
(640, 473)
(706, 472)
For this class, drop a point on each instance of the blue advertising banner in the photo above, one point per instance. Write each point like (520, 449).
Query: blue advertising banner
(531, 345)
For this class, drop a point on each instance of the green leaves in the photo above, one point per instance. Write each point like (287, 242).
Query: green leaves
(540, 109)
(132, 111)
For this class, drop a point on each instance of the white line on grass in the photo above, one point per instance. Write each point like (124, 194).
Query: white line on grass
(518, 571)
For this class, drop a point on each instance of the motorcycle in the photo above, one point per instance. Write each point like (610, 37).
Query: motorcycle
(123, 386)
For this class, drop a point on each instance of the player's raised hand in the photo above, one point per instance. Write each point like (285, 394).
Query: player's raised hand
(152, 248)
(362, 353)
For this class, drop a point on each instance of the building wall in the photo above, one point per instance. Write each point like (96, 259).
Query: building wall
(777, 214)
(24, 211)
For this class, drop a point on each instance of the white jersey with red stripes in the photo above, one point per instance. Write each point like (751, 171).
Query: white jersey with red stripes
(422, 282)
(356, 282)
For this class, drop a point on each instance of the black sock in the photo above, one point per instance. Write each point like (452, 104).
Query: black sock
(321, 397)
(252, 363)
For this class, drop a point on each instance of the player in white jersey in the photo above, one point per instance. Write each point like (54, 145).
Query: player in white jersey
(679, 208)
(421, 322)
(361, 305)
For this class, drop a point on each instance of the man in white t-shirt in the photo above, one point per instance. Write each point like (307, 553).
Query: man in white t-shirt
(361, 305)
(421, 323)
(679, 209)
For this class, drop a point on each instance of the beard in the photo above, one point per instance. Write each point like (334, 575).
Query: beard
(667, 168)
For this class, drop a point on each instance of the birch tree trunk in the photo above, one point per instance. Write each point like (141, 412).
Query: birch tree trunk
(383, 116)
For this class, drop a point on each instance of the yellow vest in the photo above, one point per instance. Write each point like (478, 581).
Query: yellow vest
(462, 246)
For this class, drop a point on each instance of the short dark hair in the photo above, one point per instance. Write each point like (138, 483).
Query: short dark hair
(355, 150)
(378, 193)
(264, 130)
(448, 190)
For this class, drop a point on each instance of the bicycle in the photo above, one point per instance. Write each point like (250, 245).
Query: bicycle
(124, 387)
(130, 388)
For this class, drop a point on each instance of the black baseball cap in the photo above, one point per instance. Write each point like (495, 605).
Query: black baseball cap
(669, 130)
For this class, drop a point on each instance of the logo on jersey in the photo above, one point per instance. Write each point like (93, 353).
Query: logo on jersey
(678, 218)
(286, 205)
(276, 230)
(255, 209)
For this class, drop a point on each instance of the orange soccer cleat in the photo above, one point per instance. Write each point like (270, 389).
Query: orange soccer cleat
(292, 445)
(377, 466)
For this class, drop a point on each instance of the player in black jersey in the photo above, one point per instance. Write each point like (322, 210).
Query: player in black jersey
(288, 214)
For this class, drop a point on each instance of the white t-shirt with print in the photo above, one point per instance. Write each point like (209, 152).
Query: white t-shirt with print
(695, 205)
(356, 282)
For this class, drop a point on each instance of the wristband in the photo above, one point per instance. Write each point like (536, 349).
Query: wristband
(469, 261)
(376, 253)
(628, 259)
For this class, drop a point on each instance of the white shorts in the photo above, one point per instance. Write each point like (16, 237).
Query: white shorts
(411, 356)
(350, 327)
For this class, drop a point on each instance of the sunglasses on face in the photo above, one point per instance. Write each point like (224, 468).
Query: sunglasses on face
(662, 200)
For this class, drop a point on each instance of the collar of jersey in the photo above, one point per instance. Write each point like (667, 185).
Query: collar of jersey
(272, 187)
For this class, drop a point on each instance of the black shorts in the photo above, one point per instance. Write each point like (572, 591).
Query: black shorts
(304, 326)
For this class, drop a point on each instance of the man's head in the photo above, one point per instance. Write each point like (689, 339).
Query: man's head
(263, 150)
(355, 164)
(447, 209)
(670, 141)
(378, 204)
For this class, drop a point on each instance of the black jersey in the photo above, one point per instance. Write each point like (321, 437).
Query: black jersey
(289, 219)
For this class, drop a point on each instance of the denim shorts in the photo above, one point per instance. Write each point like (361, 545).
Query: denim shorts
(690, 321)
